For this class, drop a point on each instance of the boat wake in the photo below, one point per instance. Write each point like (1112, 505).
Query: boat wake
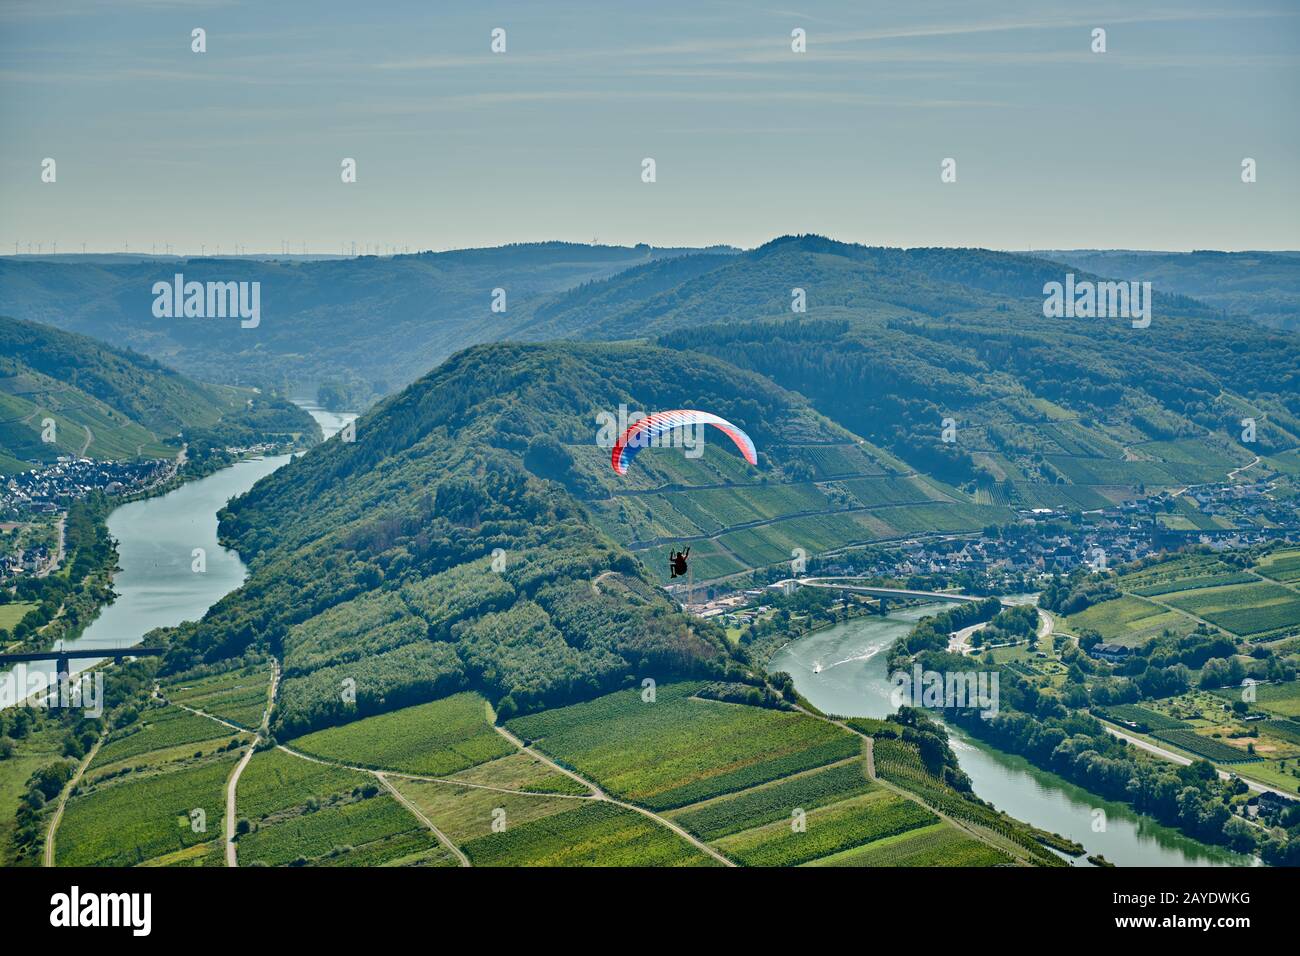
(864, 656)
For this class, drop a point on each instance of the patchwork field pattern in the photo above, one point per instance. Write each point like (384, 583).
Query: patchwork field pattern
(1249, 610)
(857, 494)
(1281, 699)
(775, 801)
(1144, 718)
(939, 844)
(1281, 566)
(304, 812)
(238, 696)
(762, 787)
(127, 820)
(840, 826)
(1206, 747)
(433, 739)
(159, 729)
(680, 750)
(1129, 620)
(592, 833)
(368, 831)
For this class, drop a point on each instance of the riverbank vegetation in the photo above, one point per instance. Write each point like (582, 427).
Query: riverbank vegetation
(61, 604)
(1043, 713)
(40, 748)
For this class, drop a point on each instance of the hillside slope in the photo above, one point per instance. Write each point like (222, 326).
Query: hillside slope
(1064, 413)
(373, 324)
(1261, 286)
(374, 560)
(105, 402)
(471, 536)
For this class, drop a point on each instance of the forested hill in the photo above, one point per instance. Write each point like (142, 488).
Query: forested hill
(1068, 412)
(1261, 286)
(867, 281)
(374, 560)
(105, 402)
(370, 324)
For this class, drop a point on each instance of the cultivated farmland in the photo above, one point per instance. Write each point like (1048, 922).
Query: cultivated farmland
(680, 750)
(433, 739)
(129, 820)
(842, 825)
(591, 834)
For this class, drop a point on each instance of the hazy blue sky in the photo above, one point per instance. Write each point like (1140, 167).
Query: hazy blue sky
(1056, 146)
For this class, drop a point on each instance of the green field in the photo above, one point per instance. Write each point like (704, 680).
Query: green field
(1101, 471)
(1281, 566)
(159, 729)
(142, 816)
(434, 739)
(1178, 568)
(830, 829)
(1203, 746)
(708, 560)
(521, 771)
(590, 834)
(1059, 497)
(877, 492)
(12, 613)
(14, 774)
(899, 762)
(407, 848)
(275, 781)
(1281, 699)
(939, 844)
(212, 853)
(838, 461)
(1284, 728)
(468, 813)
(238, 696)
(1128, 620)
(1192, 584)
(1244, 609)
(775, 542)
(771, 802)
(1270, 772)
(340, 829)
(678, 750)
(1147, 719)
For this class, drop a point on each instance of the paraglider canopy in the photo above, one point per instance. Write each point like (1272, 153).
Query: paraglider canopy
(644, 431)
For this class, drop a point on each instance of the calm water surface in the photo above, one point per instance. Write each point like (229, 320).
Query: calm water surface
(841, 670)
(156, 538)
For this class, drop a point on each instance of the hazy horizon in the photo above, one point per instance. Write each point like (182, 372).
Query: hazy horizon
(273, 254)
(1056, 146)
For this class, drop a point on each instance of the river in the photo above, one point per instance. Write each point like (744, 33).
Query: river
(157, 585)
(841, 670)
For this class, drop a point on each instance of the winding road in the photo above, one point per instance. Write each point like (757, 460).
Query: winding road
(1169, 755)
(63, 801)
(600, 794)
(232, 854)
(419, 815)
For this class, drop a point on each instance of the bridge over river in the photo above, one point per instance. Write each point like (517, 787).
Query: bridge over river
(884, 594)
(62, 657)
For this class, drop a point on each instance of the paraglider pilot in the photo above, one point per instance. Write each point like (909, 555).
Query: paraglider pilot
(677, 563)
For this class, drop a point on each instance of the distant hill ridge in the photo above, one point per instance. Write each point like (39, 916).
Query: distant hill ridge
(373, 323)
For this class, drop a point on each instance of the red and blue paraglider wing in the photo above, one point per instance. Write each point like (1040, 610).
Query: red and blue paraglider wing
(645, 430)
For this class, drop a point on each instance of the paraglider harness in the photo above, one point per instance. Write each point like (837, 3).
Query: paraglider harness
(677, 563)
